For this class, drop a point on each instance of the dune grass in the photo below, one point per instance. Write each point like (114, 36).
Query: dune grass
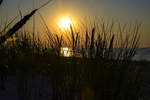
(104, 71)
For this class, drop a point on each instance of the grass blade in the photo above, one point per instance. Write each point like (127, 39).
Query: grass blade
(77, 39)
(16, 27)
(72, 34)
(92, 38)
(1, 2)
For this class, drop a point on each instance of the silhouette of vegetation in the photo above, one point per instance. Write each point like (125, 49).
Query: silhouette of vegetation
(1, 2)
(103, 71)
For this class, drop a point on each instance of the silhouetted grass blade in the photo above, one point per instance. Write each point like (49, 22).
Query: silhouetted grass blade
(16, 27)
(1, 2)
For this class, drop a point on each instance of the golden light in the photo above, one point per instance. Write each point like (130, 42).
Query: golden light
(64, 23)
(66, 52)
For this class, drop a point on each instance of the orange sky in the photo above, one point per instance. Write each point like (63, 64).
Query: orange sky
(125, 10)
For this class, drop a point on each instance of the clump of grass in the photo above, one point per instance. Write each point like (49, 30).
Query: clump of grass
(104, 75)
(106, 72)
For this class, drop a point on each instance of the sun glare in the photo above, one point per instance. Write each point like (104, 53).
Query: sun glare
(64, 23)
(66, 52)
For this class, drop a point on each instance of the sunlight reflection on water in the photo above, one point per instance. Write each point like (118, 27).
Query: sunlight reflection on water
(66, 52)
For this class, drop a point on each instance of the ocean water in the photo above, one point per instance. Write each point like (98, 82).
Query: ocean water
(143, 54)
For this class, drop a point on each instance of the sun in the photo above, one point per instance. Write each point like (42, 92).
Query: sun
(64, 23)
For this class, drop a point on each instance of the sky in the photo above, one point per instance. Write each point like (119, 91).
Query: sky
(124, 10)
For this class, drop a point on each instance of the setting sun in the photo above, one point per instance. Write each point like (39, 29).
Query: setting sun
(64, 23)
